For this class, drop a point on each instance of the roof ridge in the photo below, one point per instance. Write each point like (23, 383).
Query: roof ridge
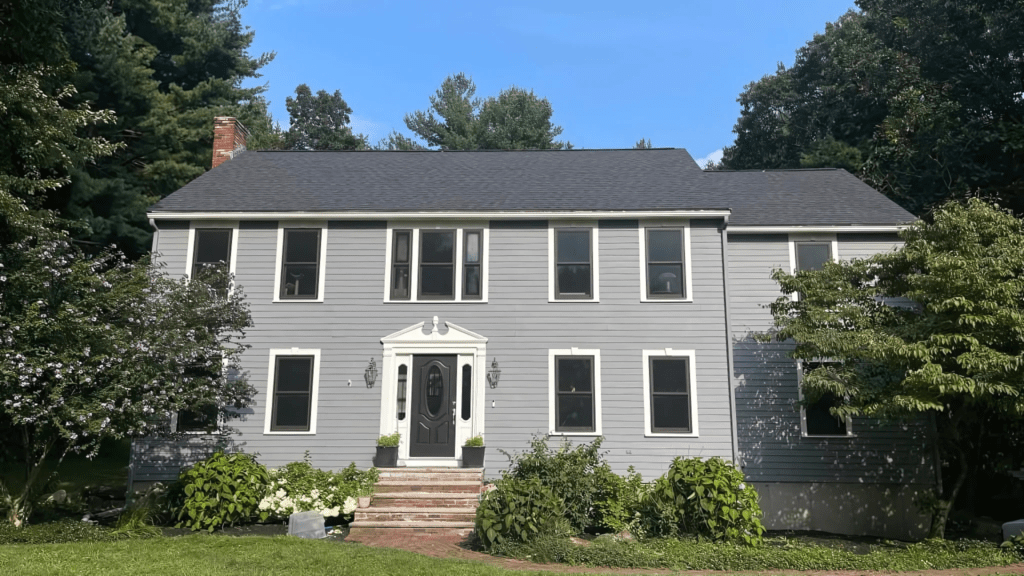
(487, 150)
(752, 170)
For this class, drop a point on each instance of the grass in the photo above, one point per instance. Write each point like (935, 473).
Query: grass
(226, 556)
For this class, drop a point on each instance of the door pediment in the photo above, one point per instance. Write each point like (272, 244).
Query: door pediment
(415, 334)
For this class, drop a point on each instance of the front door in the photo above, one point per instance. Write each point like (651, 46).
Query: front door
(433, 402)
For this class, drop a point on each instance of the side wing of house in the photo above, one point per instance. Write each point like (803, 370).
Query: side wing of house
(857, 477)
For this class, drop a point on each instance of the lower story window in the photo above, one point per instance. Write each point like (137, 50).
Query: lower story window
(818, 417)
(575, 391)
(670, 397)
(293, 393)
(199, 419)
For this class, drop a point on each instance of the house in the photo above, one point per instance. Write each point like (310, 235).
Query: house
(571, 294)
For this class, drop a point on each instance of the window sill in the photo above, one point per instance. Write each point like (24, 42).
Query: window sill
(667, 300)
(435, 301)
(827, 436)
(671, 435)
(284, 433)
(598, 433)
(298, 300)
(573, 300)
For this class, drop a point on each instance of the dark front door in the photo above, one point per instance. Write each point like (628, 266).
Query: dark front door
(433, 400)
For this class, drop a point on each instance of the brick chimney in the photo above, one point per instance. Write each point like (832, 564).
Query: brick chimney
(228, 139)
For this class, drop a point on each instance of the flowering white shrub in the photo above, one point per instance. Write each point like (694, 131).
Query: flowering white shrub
(298, 487)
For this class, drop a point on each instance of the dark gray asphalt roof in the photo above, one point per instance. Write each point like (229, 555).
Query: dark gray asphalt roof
(628, 180)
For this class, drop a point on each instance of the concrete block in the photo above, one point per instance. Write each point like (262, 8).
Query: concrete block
(307, 525)
(1011, 529)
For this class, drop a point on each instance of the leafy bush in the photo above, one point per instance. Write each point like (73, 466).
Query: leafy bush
(776, 554)
(576, 475)
(298, 487)
(518, 510)
(617, 500)
(705, 498)
(389, 440)
(475, 442)
(1015, 545)
(223, 490)
(55, 533)
(136, 522)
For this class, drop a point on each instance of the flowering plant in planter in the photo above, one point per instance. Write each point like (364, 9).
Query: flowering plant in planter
(298, 487)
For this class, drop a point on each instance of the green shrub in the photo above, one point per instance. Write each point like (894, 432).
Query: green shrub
(389, 440)
(1015, 545)
(298, 487)
(223, 490)
(617, 500)
(705, 498)
(136, 522)
(775, 554)
(55, 533)
(573, 473)
(518, 510)
(474, 442)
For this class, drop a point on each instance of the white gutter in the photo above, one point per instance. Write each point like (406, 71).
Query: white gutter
(834, 228)
(452, 215)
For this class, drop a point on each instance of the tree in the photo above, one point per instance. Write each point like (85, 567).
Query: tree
(458, 120)
(97, 347)
(397, 141)
(40, 139)
(920, 99)
(166, 68)
(320, 122)
(642, 144)
(935, 328)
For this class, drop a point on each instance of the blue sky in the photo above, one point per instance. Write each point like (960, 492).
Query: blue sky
(614, 72)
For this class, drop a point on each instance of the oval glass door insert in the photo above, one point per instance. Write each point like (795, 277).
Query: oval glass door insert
(435, 391)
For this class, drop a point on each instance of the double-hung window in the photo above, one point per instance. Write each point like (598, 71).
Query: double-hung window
(574, 264)
(292, 391)
(575, 391)
(818, 419)
(300, 264)
(664, 258)
(670, 396)
(437, 265)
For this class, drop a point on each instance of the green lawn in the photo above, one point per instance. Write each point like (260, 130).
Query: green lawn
(226, 556)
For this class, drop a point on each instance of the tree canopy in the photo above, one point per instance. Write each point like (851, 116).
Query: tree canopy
(165, 69)
(515, 119)
(919, 98)
(936, 327)
(320, 122)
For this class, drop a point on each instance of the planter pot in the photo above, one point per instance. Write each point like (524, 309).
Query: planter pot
(387, 457)
(473, 456)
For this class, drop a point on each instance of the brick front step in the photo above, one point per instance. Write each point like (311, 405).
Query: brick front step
(430, 476)
(414, 514)
(378, 530)
(388, 486)
(423, 499)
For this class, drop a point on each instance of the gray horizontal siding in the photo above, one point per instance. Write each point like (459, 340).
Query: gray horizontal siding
(521, 326)
(768, 415)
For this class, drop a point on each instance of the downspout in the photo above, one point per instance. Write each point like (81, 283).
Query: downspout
(724, 230)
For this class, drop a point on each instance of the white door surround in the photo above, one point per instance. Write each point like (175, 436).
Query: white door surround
(470, 349)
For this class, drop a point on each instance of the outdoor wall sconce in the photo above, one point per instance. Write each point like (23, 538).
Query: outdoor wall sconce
(371, 374)
(493, 374)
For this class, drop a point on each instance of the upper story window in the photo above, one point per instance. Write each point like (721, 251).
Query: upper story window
(437, 265)
(211, 252)
(664, 262)
(573, 263)
(300, 270)
(812, 255)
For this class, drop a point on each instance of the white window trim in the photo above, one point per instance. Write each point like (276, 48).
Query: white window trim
(795, 239)
(190, 250)
(271, 376)
(414, 264)
(803, 411)
(322, 282)
(664, 353)
(687, 262)
(552, 353)
(215, 431)
(595, 270)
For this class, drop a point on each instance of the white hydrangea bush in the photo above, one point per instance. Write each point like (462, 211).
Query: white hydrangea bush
(298, 487)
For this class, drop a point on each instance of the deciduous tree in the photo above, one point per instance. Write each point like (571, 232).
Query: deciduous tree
(935, 328)
(320, 122)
